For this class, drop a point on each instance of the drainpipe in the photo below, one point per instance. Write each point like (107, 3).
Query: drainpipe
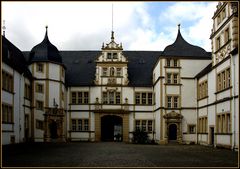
(19, 106)
(234, 111)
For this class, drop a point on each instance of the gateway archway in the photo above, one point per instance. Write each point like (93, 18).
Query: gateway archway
(111, 128)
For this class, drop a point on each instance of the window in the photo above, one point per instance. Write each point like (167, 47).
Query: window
(86, 124)
(137, 125)
(224, 79)
(218, 43)
(149, 100)
(39, 88)
(144, 125)
(150, 125)
(228, 76)
(172, 78)
(172, 62)
(137, 98)
(202, 125)
(191, 129)
(7, 81)
(85, 99)
(202, 90)
(118, 98)
(169, 78)
(80, 97)
(39, 67)
(109, 56)
(105, 98)
(80, 125)
(39, 105)
(7, 113)
(226, 35)
(74, 97)
(119, 71)
(104, 71)
(145, 98)
(27, 91)
(175, 78)
(175, 62)
(168, 64)
(172, 101)
(74, 125)
(224, 123)
(169, 101)
(39, 124)
(114, 55)
(111, 97)
(175, 102)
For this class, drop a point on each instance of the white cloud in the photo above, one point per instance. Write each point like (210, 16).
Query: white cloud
(85, 25)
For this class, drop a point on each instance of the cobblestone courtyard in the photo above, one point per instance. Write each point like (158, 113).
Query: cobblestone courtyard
(111, 154)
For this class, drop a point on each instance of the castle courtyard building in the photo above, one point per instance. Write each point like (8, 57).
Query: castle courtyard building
(182, 94)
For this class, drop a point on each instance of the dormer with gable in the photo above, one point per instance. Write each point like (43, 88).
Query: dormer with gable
(111, 65)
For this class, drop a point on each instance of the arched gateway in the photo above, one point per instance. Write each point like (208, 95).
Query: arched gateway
(111, 128)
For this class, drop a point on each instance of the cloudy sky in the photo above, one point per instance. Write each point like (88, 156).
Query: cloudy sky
(86, 25)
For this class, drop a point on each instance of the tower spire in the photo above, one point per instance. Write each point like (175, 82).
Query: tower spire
(179, 26)
(4, 28)
(46, 34)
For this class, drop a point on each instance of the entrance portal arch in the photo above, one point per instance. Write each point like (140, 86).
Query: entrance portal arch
(111, 128)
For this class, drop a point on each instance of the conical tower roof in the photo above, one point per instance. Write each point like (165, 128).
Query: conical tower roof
(182, 48)
(45, 52)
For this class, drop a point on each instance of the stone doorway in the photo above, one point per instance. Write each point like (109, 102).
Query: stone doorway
(54, 125)
(173, 127)
(111, 128)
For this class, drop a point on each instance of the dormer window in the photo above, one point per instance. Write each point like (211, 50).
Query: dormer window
(109, 55)
(112, 55)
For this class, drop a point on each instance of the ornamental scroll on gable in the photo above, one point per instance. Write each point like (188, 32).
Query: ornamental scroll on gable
(111, 65)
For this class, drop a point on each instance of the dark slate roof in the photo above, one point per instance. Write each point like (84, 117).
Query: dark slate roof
(81, 67)
(206, 70)
(182, 48)
(13, 57)
(45, 52)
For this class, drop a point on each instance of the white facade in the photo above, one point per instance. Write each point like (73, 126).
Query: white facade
(186, 101)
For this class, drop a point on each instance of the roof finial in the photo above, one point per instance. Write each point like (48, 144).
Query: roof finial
(179, 26)
(4, 28)
(46, 34)
(112, 36)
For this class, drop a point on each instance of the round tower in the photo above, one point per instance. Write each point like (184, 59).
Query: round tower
(48, 101)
